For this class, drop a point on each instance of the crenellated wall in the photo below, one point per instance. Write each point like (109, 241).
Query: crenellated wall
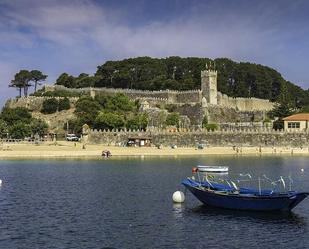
(245, 137)
(33, 103)
(171, 96)
(244, 104)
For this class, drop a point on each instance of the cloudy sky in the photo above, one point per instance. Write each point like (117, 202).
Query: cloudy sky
(75, 36)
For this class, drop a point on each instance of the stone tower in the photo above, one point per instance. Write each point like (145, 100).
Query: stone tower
(209, 85)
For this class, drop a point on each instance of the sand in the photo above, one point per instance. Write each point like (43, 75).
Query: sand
(66, 149)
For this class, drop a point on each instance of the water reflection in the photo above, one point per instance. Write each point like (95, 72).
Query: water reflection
(269, 217)
(178, 210)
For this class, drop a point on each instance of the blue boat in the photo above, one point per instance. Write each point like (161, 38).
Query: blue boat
(231, 197)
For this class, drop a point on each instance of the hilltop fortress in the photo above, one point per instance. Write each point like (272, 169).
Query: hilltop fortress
(194, 104)
(208, 95)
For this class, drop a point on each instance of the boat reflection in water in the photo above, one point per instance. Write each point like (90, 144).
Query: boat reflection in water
(225, 193)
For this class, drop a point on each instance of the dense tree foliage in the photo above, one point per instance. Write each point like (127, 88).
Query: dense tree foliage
(23, 79)
(36, 77)
(234, 79)
(3, 128)
(13, 115)
(53, 105)
(173, 119)
(18, 123)
(38, 127)
(50, 106)
(64, 104)
(138, 122)
(109, 120)
(20, 130)
(107, 112)
(56, 93)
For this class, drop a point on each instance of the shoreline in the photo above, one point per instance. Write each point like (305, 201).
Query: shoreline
(65, 149)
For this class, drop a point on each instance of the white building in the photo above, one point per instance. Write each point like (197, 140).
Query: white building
(296, 122)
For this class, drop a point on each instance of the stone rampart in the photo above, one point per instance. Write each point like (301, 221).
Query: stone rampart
(170, 96)
(33, 103)
(175, 97)
(225, 114)
(253, 137)
(244, 104)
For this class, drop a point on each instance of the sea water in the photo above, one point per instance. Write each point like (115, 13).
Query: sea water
(127, 203)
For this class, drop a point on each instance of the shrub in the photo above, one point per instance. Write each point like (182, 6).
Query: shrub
(64, 104)
(139, 121)
(108, 120)
(173, 119)
(211, 127)
(13, 115)
(19, 130)
(171, 107)
(50, 106)
(204, 122)
(3, 128)
(39, 127)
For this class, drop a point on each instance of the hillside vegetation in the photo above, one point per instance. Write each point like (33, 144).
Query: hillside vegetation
(234, 79)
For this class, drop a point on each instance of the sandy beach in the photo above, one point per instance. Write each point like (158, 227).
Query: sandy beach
(71, 149)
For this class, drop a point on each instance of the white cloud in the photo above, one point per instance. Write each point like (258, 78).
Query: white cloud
(77, 35)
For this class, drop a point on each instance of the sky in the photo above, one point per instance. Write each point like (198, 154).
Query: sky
(76, 36)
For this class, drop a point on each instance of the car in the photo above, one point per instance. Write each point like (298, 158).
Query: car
(72, 137)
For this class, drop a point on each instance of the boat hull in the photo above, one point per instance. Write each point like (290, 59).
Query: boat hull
(245, 202)
(213, 169)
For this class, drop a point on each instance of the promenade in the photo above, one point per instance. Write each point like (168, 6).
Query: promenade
(65, 149)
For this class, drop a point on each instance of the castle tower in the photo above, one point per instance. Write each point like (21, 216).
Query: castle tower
(209, 85)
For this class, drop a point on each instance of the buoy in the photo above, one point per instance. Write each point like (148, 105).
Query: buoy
(302, 170)
(178, 197)
(0, 182)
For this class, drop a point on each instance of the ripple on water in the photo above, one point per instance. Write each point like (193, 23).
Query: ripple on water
(127, 204)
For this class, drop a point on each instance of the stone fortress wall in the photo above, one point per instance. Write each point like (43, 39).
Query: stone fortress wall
(244, 104)
(229, 137)
(34, 103)
(208, 96)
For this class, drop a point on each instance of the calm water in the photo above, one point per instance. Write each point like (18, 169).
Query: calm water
(126, 203)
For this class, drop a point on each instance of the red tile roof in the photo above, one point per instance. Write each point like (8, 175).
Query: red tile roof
(297, 117)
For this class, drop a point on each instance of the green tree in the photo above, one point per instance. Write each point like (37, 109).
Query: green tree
(137, 122)
(205, 121)
(3, 128)
(109, 120)
(64, 104)
(39, 127)
(66, 80)
(36, 77)
(87, 110)
(120, 102)
(19, 130)
(211, 127)
(173, 119)
(22, 81)
(13, 115)
(50, 106)
(74, 125)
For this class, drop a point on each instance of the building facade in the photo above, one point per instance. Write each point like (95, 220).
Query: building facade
(296, 122)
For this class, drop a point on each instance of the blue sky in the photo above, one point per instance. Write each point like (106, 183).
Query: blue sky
(76, 36)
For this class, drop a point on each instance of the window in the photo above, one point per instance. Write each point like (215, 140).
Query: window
(293, 125)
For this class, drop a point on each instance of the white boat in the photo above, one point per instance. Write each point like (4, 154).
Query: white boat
(212, 169)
